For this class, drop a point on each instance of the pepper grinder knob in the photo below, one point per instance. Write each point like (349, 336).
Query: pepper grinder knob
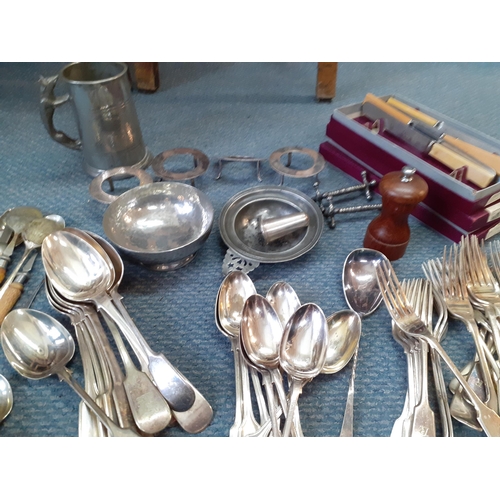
(401, 192)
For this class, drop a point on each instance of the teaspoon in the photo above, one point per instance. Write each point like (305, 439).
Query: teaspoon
(233, 294)
(260, 337)
(285, 302)
(303, 352)
(344, 331)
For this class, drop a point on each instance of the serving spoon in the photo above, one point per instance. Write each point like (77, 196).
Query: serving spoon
(6, 398)
(37, 346)
(362, 294)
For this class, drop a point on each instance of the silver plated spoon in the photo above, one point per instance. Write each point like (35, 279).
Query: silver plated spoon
(233, 293)
(363, 296)
(303, 352)
(285, 302)
(6, 398)
(37, 346)
(344, 331)
(18, 218)
(260, 337)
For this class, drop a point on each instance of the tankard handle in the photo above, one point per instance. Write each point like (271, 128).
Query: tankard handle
(48, 104)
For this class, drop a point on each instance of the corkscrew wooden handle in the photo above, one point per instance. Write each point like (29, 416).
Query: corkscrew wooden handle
(9, 299)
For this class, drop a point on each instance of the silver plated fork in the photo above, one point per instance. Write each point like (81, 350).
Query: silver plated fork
(403, 314)
(457, 301)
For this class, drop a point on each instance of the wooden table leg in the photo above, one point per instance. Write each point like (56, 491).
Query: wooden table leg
(326, 81)
(145, 76)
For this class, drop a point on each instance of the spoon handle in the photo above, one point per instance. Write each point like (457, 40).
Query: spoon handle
(295, 392)
(488, 419)
(114, 430)
(171, 383)
(117, 390)
(199, 414)
(348, 422)
(149, 408)
(238, 385)
(259, 396)
(271, 401)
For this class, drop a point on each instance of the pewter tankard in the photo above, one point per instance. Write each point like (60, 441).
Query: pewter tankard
(110, 135)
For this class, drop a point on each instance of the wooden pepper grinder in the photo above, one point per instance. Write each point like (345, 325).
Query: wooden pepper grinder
(401, 192)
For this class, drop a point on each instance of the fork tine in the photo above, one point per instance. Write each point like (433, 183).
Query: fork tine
(459, 271)
(445, 272)
(432, 274)
(470, 270)
(479, 262)
(398, 293)
(416, 299)
(389, 300)
(488, 274)
(495, 257)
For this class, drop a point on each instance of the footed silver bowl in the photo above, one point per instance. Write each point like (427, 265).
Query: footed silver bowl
(160, 225)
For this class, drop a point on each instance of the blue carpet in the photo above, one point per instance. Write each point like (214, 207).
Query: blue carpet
(234, 109)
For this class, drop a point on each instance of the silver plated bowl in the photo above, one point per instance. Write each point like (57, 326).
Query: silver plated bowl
(240, 219)
(161, 225)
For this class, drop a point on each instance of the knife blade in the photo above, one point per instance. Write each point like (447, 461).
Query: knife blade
(400, 124)
(5, 237)
(432, 127)
(5, 257)
(15, 289)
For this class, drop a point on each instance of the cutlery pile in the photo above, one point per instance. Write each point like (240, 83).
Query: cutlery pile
(464, 285)
(82, 276)
(282, 345)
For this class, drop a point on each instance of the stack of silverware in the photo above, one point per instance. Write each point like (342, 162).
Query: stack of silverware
(83, 273)
(462, 285)
(280, 345)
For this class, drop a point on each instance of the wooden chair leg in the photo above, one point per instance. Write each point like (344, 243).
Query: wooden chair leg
(326, 81)
(145, 76)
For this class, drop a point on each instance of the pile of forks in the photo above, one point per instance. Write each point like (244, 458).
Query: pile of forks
(463, 285)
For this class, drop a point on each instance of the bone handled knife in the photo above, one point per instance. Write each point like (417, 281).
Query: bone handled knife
(414, 113)
(430, 126)
(15, 289)
(401, 125)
